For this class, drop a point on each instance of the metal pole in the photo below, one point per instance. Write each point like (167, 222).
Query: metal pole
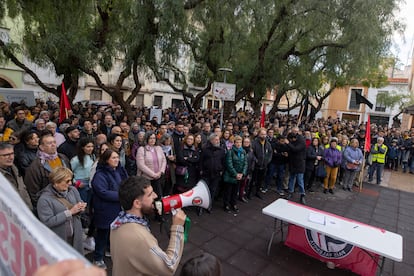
(225, 70)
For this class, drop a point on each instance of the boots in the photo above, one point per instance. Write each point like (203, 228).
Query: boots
(302, 199)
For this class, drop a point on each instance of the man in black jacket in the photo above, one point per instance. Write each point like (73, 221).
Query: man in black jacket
(297, 164)
(68, 148)
(263, 153)
(212, 163)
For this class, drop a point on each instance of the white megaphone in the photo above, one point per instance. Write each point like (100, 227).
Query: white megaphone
(198, 196)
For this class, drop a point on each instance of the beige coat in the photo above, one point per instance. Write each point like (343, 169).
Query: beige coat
(145, 166)
(135, 251)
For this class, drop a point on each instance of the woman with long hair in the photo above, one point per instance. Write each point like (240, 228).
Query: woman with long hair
(188, 165)
(151, 163)
(314, 156)
(244, 185)
(81, 165)
(115, 144)
(169, 151)
(105, 184)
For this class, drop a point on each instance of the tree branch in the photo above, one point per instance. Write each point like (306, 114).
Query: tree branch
(19, 64)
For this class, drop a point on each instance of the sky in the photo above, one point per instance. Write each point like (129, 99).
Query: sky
(403, 45)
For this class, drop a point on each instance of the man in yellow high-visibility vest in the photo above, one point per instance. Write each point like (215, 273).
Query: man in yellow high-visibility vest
(378, 151)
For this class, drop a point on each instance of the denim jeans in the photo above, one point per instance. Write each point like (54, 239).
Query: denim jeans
(271, 168)
(101, 243)
(280, 176)
(379, 167)
(299, 179)
(411, 164)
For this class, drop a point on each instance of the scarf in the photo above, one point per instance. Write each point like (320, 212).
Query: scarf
(124, 217)
(239, 151)
(43, 156)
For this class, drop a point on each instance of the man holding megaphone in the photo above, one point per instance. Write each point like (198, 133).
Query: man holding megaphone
(134, 249)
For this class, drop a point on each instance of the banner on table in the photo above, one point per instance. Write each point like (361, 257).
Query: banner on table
(25, 243)
(327, 249)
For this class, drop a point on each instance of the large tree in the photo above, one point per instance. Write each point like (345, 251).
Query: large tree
(288, 44)
(292, 44)
(76, 38)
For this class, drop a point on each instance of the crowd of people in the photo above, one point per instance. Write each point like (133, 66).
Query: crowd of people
(70, 172)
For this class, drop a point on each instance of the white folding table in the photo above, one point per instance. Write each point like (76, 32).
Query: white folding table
(384, 243)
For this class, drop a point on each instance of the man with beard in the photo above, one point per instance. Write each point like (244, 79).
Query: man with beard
(134, 249)
(18, 124)
(69, 147)
(178, 135)
(297, 163)
(263, 153)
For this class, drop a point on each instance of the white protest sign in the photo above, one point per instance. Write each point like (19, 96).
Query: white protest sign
(10, 95)
(25, 243)
(224, 91)
(156, 112)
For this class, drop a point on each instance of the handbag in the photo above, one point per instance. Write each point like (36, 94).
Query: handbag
(351, 166)
(320, 171)
(180, 170)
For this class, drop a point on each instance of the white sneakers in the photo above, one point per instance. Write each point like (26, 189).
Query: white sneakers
(100, 264)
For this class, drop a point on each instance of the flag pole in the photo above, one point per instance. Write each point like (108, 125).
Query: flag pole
(361, 176)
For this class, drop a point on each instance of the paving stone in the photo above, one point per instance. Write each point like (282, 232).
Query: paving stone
(248, 262)
(199, 235)
(237, 236)
(403, 269)
(220, 247)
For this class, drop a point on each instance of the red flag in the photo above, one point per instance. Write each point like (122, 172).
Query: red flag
(327, 249)
(367, 146)
(64, 104)
(263, 117)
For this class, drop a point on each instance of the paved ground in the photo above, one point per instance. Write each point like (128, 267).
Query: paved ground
(240, 241)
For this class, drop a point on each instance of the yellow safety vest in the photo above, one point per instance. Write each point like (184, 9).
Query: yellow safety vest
(379, 157)
(338, 147)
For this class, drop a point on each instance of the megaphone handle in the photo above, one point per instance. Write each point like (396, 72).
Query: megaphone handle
(186, 228)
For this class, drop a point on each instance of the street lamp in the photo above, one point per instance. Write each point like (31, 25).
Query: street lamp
(225, 70)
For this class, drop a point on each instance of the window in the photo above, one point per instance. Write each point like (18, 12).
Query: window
(352, 100)
(96, 95)
(139, 100)
(158, 101)
(350, 117)
(214, 105)
(380, 120)
(164, 73)
(380, 105)
(177, 77)
(177, 103)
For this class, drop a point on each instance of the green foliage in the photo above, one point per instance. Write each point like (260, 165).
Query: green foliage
(289, 44)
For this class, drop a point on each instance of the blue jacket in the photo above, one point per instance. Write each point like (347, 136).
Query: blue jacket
(393, 152)
(105, 185)
(352, 154)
